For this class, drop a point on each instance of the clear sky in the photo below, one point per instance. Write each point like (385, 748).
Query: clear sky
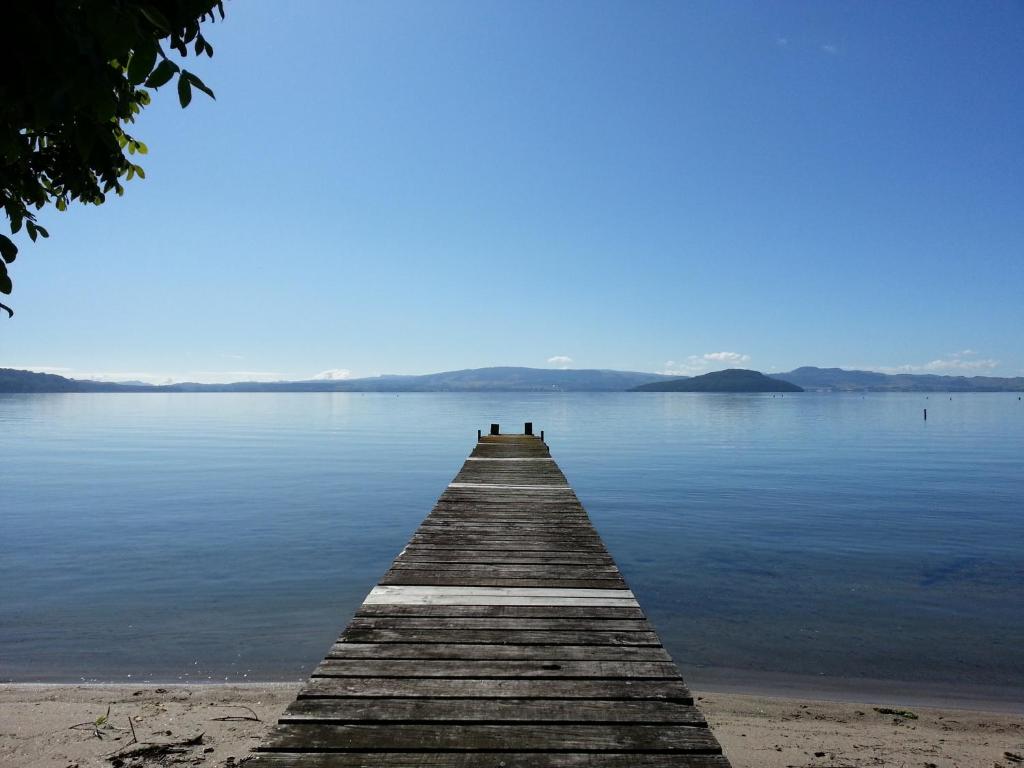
(421, 186)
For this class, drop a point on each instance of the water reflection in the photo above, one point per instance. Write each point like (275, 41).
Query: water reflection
(176, 536)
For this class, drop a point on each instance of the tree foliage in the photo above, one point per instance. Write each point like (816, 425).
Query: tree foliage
(73, 75)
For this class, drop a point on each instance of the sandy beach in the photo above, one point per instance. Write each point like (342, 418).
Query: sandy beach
(68, 726)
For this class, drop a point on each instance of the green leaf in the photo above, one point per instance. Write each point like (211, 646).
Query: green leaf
(5, 281)
(31, 229)
(42, 231)
(164, 71)
(8, 250)
(184, 91)
(198, 83)
(141, 62)
(195, 81)
(157, 19)
(141, 148)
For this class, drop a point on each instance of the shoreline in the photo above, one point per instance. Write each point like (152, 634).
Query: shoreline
(852, 690)
(740, 682)
(54, 725)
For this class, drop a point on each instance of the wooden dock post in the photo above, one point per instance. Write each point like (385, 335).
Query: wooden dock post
(494, 429)
(502, 635)
(528, 428)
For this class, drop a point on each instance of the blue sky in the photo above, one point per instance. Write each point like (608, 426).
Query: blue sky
(414, 187)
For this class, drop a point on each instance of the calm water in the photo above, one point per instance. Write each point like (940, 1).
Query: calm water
(801, 541)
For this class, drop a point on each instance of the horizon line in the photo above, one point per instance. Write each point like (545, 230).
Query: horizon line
(135, 378)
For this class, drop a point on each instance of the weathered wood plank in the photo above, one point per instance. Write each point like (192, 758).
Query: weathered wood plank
(414, 556)
(504, 528)
(513, 495)
(551, 534)
(510, 540)
(474, 557)
(549, 513)
(511, 571)
(505, 517)
(509, 600)
(402, 578)
(510, 458)
(485, 760)
(496, 592)
(496, 688)
(523, 623)
(340, 711)
(470, 595)
(553, 486)
(498, 636)
(489, 563)
(512, 668)
(514, 547)
(618, 737)
(492, 525)
(592, 612)
(528, 469)
(356, 650)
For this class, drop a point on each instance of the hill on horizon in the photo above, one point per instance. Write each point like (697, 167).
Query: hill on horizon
(729, 380)
(519, 379)
(493, 379)
(841, 380)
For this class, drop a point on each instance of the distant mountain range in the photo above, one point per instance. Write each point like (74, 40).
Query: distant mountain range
(731, 380)
(503, 379)
(839, 380)
(507, 379)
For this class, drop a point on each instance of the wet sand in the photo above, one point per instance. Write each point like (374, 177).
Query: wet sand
(62, 726)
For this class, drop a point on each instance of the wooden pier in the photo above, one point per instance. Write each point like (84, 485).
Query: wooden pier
(503, 635)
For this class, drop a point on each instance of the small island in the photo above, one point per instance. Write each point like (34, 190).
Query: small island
(731, 380)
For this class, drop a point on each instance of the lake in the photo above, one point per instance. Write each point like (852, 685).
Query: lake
(798, 543)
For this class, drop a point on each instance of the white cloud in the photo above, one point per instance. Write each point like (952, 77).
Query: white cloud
(694, 364)
(727, 357)
(953, 365)
(114, 376)
(782, 42)
(334, 374)
(560, 361)
(72, 373)
(229, 376)
(151, 377)
(58, 369)
(964, 361)
(830, 49)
